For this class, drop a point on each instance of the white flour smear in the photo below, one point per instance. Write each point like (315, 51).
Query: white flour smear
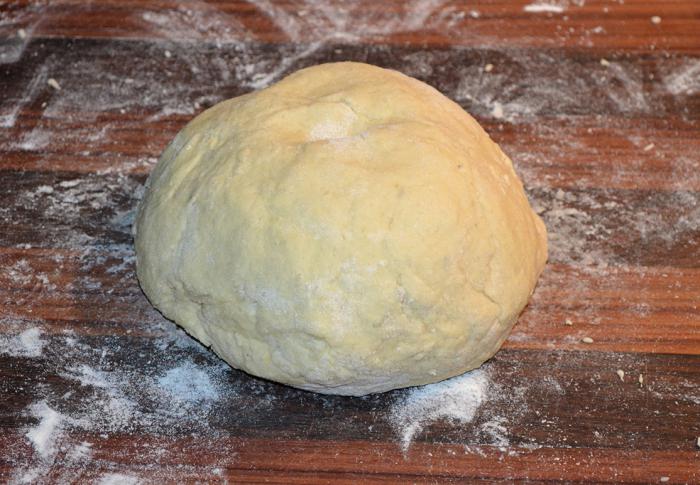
(28, 343)
(48, 438)
(477, 404)
(455, 400)
(43, 436)
(685, 79)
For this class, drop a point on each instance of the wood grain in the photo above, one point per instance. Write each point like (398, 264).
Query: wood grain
(599, 108)
(583, 405)
(593, 24)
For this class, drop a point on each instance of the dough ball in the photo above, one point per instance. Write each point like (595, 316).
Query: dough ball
(348, 230)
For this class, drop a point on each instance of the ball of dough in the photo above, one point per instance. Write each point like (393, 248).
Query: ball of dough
(348, 230)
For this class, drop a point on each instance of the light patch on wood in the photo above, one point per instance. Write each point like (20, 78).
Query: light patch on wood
(497, 110)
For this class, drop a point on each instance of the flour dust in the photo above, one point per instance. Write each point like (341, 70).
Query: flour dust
(85, 218)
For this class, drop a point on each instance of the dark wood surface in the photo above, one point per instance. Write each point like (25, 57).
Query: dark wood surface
(596, 102)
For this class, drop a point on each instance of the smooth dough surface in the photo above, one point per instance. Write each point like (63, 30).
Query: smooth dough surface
(347, 230)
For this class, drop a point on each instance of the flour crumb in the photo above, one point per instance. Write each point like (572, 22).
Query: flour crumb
(455, 400)
(641, 380)
(22, 34)
(54, 84)
(621, 374)
(167, 54)
(44, 189)
(650, 146)
(488, 68)
(604, 62)
(587, 340)
(497, 110)
(544, 7)
(568, 322)
(66, 184)
(656, 20)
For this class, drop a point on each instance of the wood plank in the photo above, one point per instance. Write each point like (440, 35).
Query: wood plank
(594, 24)
(567, 122)
(447, 462)
(598, 106)
(529, 84)
(94, 291)
(189, 460)
(624, 309)
(586, 227)
(532, 399)
(370, 462)
(551, 153)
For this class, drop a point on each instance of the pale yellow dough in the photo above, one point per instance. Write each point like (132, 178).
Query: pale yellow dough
(348, 230)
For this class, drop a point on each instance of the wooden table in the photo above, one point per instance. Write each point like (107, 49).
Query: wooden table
(597, 103)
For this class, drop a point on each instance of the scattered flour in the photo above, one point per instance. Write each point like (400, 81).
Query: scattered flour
(44, 435)
(23, 21)
(547, 85)
(118, 398)
(26, 344)
(496, 431)
(34, 140)
(187, 382)
(455, 400)
(118, 479)
(316, 25)
(684, 80)
(49, 440)
(111, 397)
(194, 21)
(31, 91)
